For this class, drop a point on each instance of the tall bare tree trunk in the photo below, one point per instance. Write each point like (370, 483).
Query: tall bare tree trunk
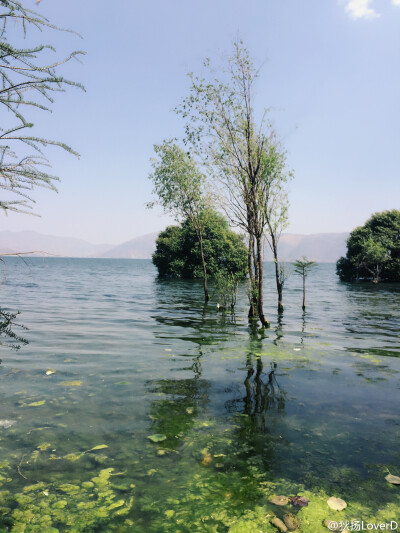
(253, 300)
(260, 281)
(206, 295)
(279, 288)
(279, 284)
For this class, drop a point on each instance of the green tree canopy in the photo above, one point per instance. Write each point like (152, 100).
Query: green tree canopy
(373, 250)
(303, 267)
(241, 152)
(179, 189)
(178, 254)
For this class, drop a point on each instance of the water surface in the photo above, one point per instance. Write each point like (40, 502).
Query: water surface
(309, 407)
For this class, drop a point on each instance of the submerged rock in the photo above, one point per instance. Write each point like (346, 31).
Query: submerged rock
(280, 500)
(395, 480)
(332, 525)
(291, 521)
(7, 423)
(277, 522)
(299, 501)
(207, 459)
(337, 504)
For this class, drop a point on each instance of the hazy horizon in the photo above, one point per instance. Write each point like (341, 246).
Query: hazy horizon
(64, 236)
(321, 247)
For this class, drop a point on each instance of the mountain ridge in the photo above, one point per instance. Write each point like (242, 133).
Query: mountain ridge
(321, 247)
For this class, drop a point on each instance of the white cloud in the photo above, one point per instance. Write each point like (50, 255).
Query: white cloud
(358, 9)
(396, 2)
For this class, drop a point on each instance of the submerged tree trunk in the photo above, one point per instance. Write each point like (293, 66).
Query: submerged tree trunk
(260, 281)
(206, 295)
(253, 299)
(278, 279)
(304, 293)
(279, 284)
(279, 288)
(375, 274)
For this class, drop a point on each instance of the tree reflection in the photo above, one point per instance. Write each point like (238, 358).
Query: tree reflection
(262, 391)
(175, 413)
(278, 329)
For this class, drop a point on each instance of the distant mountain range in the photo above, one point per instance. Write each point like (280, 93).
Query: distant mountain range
(31, 241)
(321, 247)
(137, 248)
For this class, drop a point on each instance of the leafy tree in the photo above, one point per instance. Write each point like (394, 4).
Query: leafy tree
(276, 206)
(303, 267)
(169, 257)
(239, 153)
(178, 255)
(179, 189)
(29, 81)
(373, 250)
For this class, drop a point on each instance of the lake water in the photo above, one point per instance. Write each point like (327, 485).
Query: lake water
(236, 415)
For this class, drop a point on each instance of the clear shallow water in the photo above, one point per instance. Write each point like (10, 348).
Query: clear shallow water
(135, 357)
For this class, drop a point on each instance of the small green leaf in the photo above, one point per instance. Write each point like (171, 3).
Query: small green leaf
(37, 404)
(158, 437)
(73, 457)
(43, 447)
(99, 447)
(75, 383)
(117, 504)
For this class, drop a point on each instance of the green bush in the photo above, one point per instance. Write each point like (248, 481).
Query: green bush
(373, 250)
(178, 254)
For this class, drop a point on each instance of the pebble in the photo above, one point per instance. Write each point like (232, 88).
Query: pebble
(279, 524)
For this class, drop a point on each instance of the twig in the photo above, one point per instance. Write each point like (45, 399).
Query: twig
(20, 254)
(31, 252)
(19, 467)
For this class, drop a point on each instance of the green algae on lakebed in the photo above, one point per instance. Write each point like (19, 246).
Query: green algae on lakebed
(215, 497)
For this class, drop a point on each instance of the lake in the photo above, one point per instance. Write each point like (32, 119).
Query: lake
(134, 407)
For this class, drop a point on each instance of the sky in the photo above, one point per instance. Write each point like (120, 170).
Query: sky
(330, 75)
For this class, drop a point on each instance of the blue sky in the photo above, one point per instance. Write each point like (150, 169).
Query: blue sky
(331, 76)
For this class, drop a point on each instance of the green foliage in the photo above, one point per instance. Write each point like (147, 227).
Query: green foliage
(178, 255)
(169, 257)
(303, 266)
(7, 322)
(179, 189)
(243, 156)
(177, 182)
(373, 250)
(227, 285)
(28, 80)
